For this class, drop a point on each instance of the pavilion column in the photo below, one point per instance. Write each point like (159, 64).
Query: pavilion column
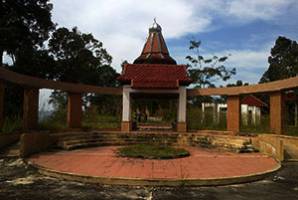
(181, 125)
(30, 108)
(126, 124)
(277, 108)
(2, 93)
(233, 114)
(74, 110)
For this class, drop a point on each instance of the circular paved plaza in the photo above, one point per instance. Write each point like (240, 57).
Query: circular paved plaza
(203, 167)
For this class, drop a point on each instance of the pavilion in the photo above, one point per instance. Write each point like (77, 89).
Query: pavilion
(154, 72)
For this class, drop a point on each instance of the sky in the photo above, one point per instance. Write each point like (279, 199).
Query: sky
(244, 29)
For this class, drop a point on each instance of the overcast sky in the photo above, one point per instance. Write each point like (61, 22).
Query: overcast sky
(246, 29)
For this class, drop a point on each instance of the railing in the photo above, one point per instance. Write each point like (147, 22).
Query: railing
(74, 115)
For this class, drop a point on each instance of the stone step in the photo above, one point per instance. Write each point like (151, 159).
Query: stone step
(111, 141)
(94, 144)
(70, 140)
(79, 134)
(141, 140)
(117, 137)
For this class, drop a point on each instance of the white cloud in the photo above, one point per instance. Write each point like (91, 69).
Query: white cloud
(249, 64)
(248, 58)
(257, 9)
(122, 25)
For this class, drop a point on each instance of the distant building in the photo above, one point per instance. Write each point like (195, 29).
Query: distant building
(250, 110)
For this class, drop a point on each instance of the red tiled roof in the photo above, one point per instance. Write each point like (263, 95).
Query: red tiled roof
(155, 50)
(251, 100)
(154, 76)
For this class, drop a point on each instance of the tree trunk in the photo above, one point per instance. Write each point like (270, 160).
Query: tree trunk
(1, 59)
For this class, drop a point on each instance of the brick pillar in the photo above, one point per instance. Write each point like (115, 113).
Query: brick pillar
(74, 110)
(277, 108)
(233, 114)
(2, 93)
(30, 108)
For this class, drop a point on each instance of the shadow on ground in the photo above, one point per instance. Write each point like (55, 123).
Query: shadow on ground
(20, 181)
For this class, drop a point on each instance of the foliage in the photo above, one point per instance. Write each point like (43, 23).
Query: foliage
(291, 130)
(24, 27)
(105, 104)
(55, 122)
(149, 151)
(262, 127)
(81, 58)
(24, 24)
(163, 108)
(11, 124)
(283, 61)
(196, 121)
(238, 83)
(93, 119)
(205, 71)
(13, 100)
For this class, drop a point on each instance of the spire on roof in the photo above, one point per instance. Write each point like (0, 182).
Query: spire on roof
(155, 50)
(155, 27)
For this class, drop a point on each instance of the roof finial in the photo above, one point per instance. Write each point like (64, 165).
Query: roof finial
(155, 26)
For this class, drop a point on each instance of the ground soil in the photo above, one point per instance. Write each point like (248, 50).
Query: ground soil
(19, 181)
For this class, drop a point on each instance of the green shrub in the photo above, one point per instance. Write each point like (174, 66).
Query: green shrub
(55, 122)
(261, 127)
(196, 121)
(93, 120)
(11, 124)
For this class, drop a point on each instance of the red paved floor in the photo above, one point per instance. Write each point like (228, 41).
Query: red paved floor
(103, 162)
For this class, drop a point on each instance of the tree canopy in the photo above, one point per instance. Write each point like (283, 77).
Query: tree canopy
(81, 58)
(24, 25)
(30, 38)
(283, 61)
(205, 71)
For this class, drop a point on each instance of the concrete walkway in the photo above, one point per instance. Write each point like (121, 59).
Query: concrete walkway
(202, 164)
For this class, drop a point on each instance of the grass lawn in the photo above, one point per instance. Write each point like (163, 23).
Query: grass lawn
(150, 151)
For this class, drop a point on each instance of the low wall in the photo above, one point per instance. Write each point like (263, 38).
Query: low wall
(280, 147)
(228, 142)
(271, 145)
(97, 138)
(8, 139)
(290, 144)
(34, 142)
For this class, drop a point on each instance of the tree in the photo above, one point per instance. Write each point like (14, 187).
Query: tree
(238, 83)
(81, 58)
(24, 24)
(283, 61)
(205, 71)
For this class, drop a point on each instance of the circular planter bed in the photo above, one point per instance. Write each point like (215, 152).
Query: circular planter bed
(149, 151)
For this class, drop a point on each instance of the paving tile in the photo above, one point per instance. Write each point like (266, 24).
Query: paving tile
(203, 163)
